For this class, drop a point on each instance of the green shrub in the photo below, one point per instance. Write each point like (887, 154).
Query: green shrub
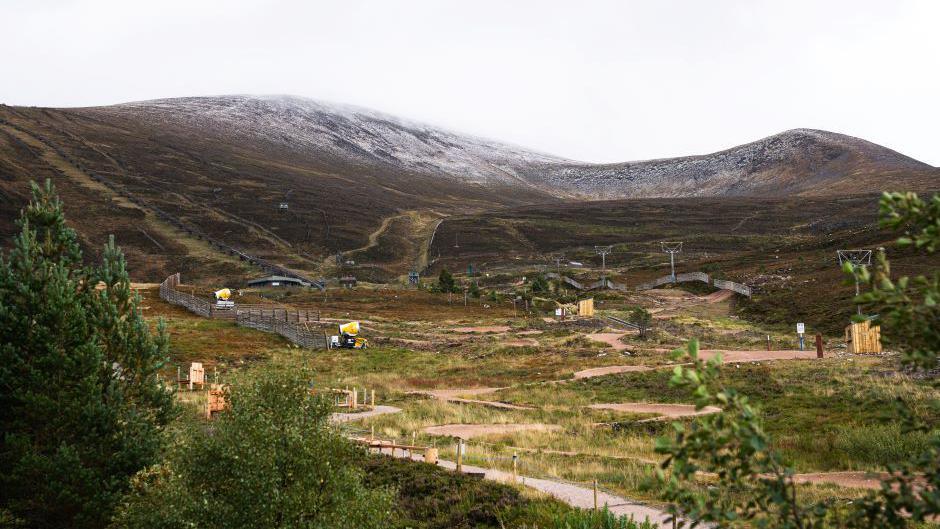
(271, 460)
(603, 519)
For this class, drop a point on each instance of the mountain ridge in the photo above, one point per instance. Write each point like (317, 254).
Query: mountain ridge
(294, 182)
(801, 161)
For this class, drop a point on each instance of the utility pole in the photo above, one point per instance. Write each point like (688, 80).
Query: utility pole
(603, 251)
(856, 258)
(672, 248)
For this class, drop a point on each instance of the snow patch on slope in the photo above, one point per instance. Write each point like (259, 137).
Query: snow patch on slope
(347, 131)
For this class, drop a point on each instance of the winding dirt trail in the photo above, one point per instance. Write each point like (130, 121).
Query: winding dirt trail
(374, 236)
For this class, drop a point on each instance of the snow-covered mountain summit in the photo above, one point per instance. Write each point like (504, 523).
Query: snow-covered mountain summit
(345, 131)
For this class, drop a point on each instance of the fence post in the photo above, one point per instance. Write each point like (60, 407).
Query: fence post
(768, 342)
(819, 345)
(515, 467)
(595, 494)
(373, 398)
(459, 455)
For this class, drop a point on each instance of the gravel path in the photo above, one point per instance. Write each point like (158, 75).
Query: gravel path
(572, 494)
(576, 495)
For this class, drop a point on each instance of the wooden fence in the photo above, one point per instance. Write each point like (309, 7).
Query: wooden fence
(293, 324)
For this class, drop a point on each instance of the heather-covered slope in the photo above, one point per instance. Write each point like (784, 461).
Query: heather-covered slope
(356, 181)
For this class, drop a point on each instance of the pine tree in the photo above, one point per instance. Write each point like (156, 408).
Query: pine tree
(446, 281)
(81, 409)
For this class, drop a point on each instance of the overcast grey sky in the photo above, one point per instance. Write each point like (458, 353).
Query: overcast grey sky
(590, 80)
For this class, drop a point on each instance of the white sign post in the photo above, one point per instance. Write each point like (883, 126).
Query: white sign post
(801, 329)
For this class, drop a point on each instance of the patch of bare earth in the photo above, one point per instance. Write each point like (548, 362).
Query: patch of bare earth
(756, 355)
(492, 328)
(608, 370)
(468, 431)
(665, 411)
(610, 338)
(456, 395)
(719, 296)
(850, 479)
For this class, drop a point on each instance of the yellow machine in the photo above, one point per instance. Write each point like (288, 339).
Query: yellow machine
(222, 300)
(349, 337)
(223, 295)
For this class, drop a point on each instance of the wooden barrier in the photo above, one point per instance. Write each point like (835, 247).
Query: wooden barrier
(430, 452)
(215, 401)
(290, 323)
(586, 307)
(862, 337)
(197, 375)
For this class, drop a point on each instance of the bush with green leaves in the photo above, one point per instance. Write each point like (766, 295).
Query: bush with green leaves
(602, 519)
(271, 460)
(539, 284)
(751, 482)
(642, 319)
(81, 406)
(446, 282)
